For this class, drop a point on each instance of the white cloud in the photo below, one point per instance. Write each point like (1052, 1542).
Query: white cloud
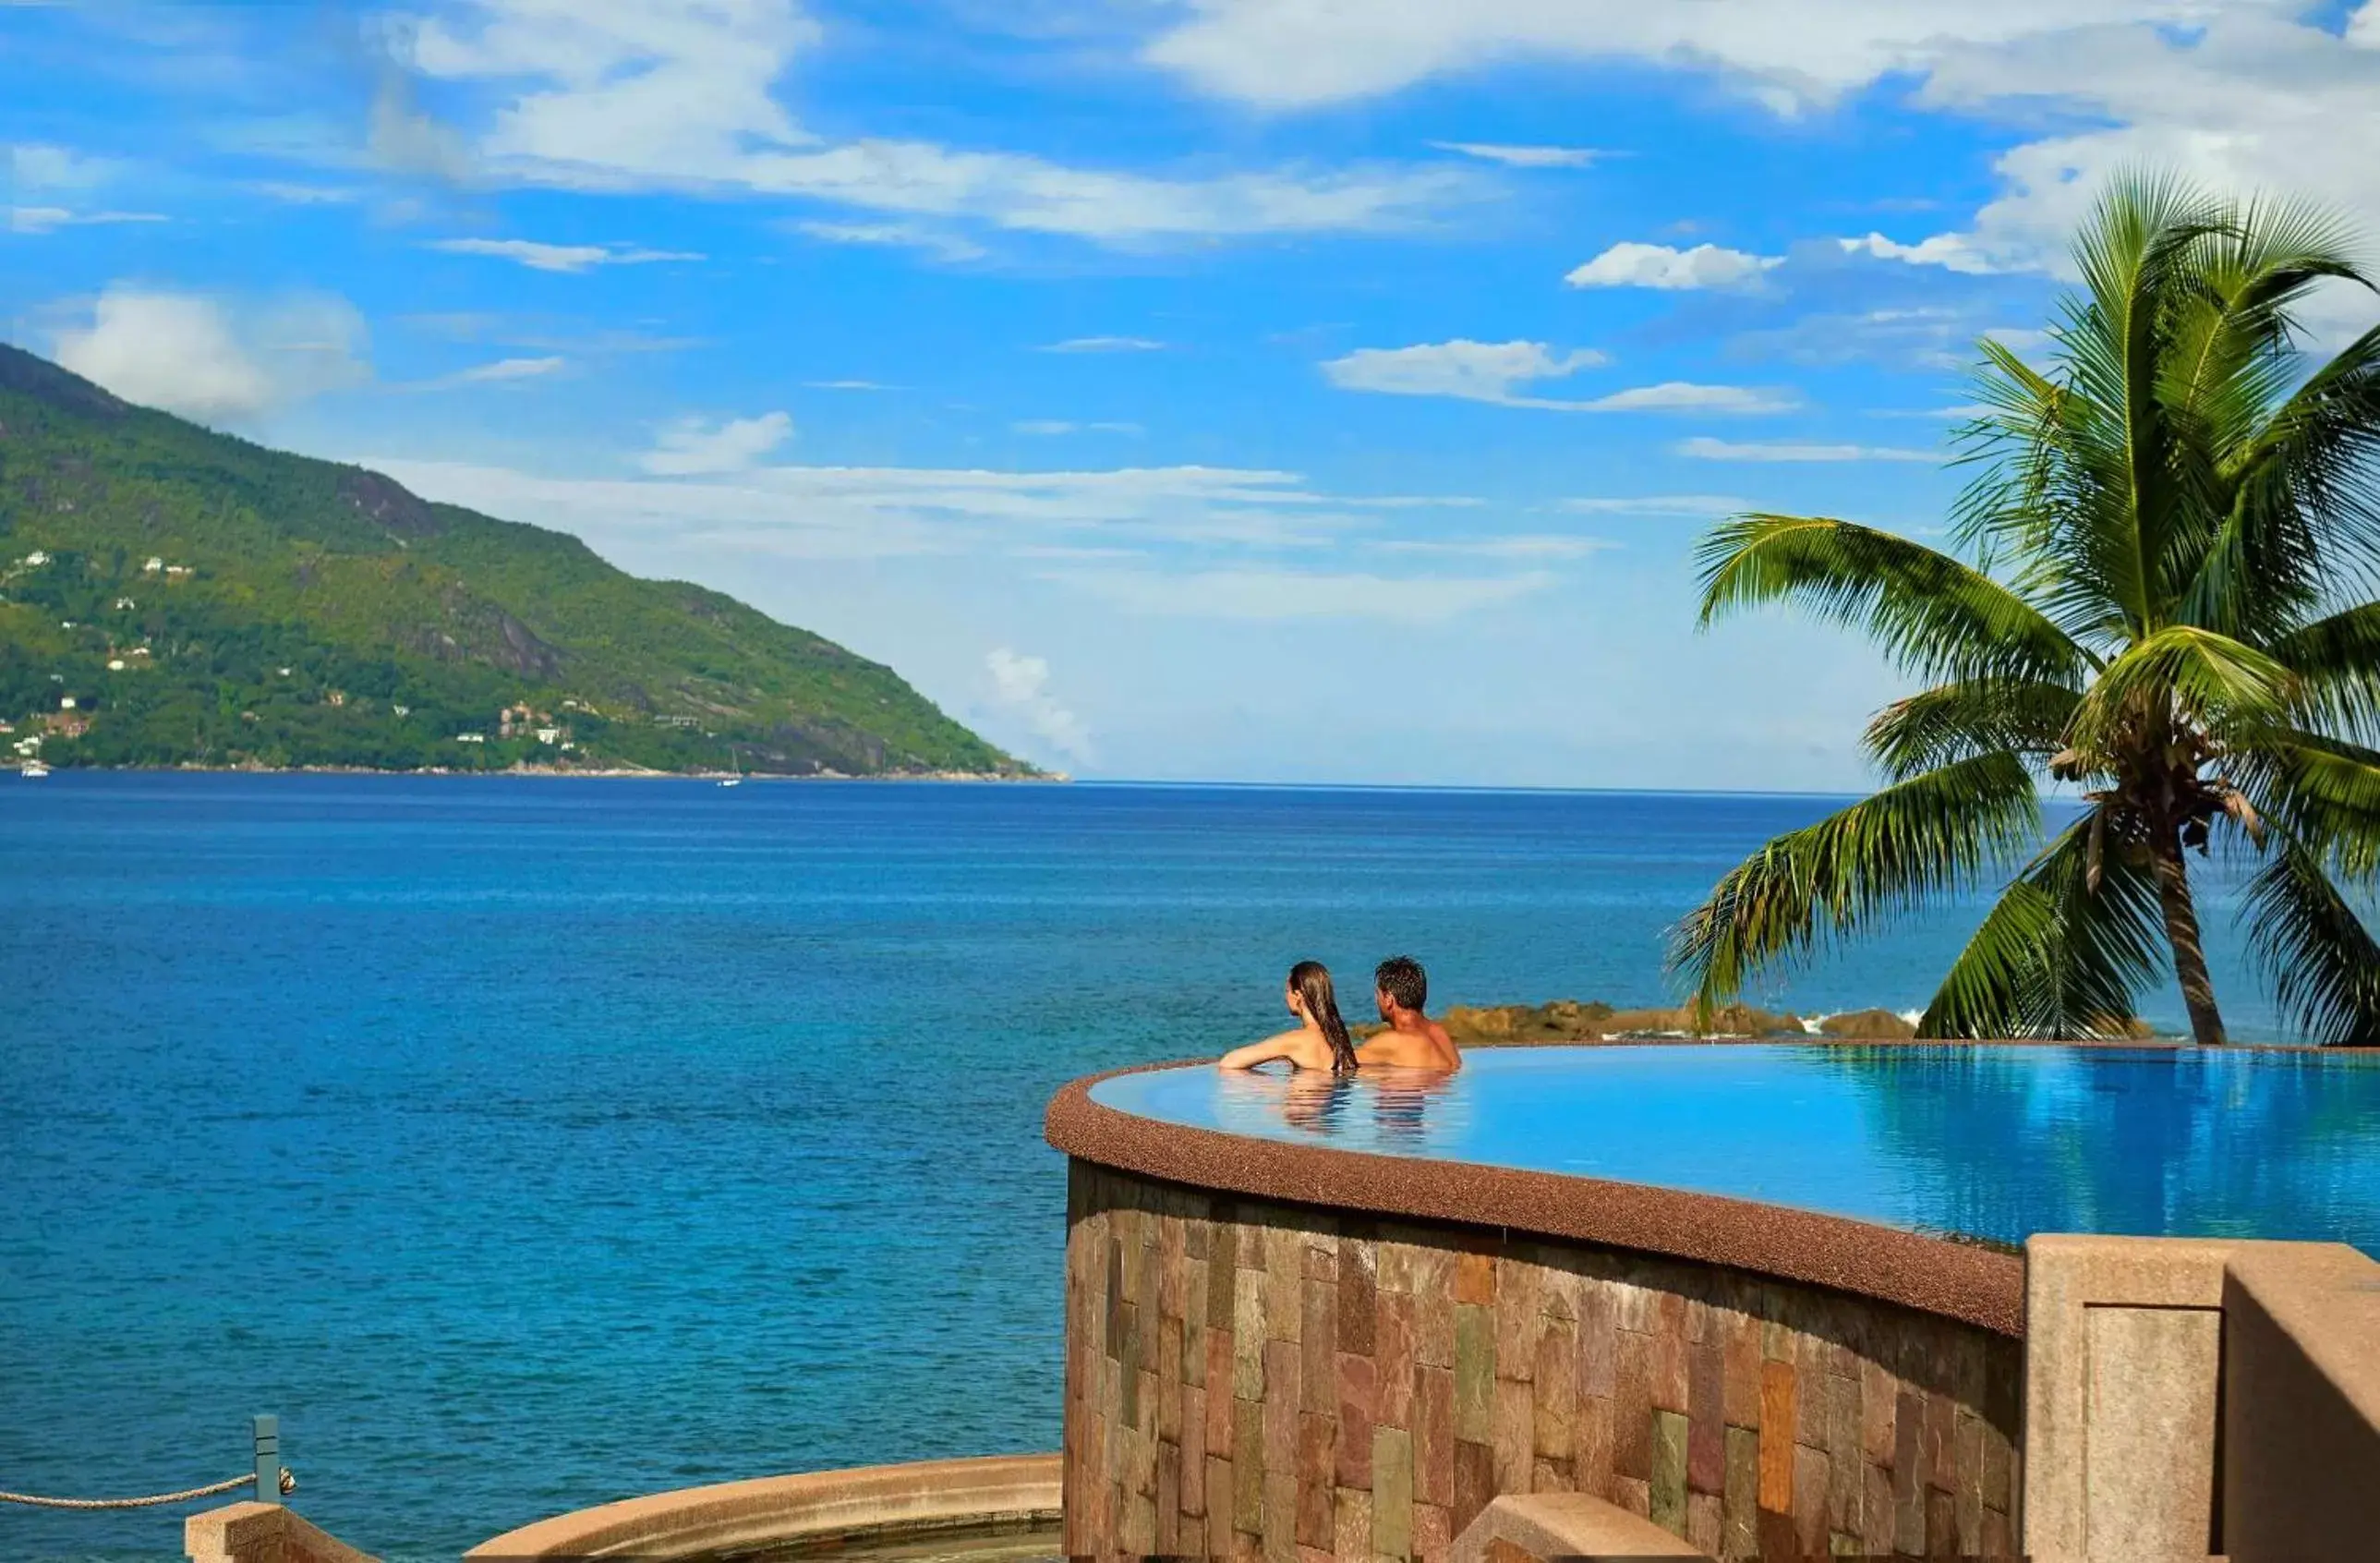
(1703, 448)
(1515, 545)
(2245, 96)
(1680, 396)
(868, 512)
(559, 257)
(207, 358)
(1103, 345)
(1493, 372)
(1697, 505)
(1022, 684)
(1950, 250)
(36, 166)
(1524, 157)
(1473, 370)
(503, 369)
(293, 194)
(1785, 52)
(905, 236)
(649, 95)
(49, 219)
(1292, 594)
(1660, 265)
(688, 447)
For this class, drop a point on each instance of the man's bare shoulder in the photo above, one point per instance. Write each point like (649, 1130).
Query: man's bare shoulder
(1412, 1050)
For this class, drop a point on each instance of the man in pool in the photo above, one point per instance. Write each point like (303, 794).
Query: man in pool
(1413, 1041)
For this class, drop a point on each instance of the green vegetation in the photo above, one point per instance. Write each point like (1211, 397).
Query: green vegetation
(203, 601)
(2175, 531)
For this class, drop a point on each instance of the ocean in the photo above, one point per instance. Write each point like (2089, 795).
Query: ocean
(526, 1143)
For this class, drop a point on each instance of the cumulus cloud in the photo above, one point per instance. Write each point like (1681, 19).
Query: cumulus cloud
(1523, 156)
(1473, 370)
(1660, 265)
(2240, 94)
(1022, 684)
(655, 95)
(210, 359)
(1950, 250)
(559, 257)
(1494, 372)
(689, 446)
(1703, 448)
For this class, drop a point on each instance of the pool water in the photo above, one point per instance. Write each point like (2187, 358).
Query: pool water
(1996, 1142)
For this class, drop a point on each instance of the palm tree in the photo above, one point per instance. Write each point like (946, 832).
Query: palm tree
(2174, 544)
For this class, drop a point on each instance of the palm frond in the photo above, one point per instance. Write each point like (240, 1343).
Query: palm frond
(2063, 951)
(2323, 791)
(1928, 611)
(1884, 855)
(2220, 683)
(1961, 720)
(2322, 961)
(2337, 660)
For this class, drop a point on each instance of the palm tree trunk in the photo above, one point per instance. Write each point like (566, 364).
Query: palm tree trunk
(2181, 933)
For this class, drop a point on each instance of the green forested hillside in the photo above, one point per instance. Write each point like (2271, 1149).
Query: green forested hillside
(169, 595)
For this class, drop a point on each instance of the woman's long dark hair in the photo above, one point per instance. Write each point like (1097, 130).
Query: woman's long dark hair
(1311, 981)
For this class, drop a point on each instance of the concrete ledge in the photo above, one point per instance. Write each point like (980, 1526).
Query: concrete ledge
(2301, 1403)
(1540, 1526)
(262, 1532)
(1018, 1491)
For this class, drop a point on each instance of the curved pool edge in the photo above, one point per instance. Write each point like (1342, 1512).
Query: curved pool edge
(1970, 1283)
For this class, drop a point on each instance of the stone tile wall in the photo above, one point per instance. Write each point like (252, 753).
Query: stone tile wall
(1254, 1380)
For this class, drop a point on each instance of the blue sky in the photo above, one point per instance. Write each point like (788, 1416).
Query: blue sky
(1236, 389)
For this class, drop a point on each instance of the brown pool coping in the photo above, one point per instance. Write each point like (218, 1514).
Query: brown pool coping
(1976, 1284)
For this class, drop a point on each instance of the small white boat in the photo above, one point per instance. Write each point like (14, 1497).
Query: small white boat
(731, 781)
(32, 770)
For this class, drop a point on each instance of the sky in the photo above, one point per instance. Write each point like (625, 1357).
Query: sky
(1254, 390)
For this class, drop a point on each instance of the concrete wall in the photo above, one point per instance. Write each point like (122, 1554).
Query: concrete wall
(261, 1532)
(1249, 1378)
(883, 1503)
(2187, 1397)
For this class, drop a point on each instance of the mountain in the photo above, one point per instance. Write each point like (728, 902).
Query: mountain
(170, 595)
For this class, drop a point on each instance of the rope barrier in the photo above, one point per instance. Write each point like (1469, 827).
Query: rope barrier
(288, 1484)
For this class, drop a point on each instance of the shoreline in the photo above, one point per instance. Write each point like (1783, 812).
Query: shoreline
(554, 772)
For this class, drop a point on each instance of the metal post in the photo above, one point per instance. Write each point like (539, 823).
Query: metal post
(266, 1431)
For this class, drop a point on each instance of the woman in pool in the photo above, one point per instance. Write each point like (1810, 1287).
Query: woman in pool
(1321, 1042)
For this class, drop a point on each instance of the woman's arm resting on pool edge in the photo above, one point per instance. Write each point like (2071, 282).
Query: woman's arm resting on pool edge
(1255, 1053)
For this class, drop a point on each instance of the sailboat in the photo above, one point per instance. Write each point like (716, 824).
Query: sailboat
(32, 770)
(737, 779)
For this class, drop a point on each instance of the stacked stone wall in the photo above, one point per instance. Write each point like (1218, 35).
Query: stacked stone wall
(1251, 1379)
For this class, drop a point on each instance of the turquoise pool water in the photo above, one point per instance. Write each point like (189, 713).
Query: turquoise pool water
(1996, 1142)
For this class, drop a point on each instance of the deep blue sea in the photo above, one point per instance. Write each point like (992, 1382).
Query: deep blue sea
(527, 1143)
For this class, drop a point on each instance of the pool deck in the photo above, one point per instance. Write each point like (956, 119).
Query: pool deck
(1970, 1282)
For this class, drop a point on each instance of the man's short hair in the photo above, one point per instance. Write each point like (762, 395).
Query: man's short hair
(1401, 978)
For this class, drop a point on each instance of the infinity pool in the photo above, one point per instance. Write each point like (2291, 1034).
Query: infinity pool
(1987, 1141)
